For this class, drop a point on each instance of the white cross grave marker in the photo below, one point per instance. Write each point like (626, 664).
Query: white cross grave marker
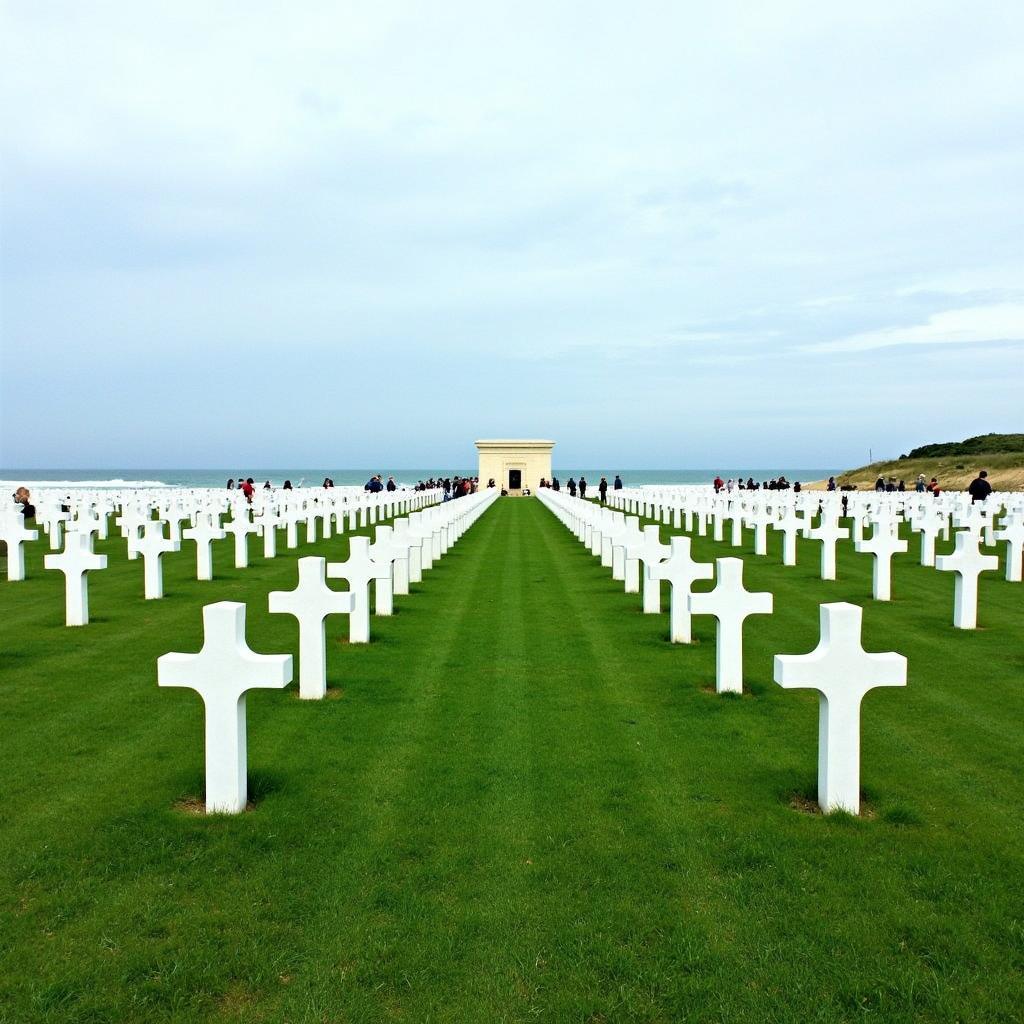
(269, 522)
(759, 519)
(652, 552)
(1012, 533)
(222, 672)
(682, 572)
(311, 602)
(14, 532)
(240, 527)
(204, 533)
(883, 544)
(842, 672)
(730, 603)
(152, 545)
(968, 563)
(790, 525)
(828, 531)
(929, 526)
(384, 552)
(75, 561)
(414, 545)
(358, 570)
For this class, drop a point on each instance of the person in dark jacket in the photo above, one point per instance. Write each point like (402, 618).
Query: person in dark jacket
(392, 486)
(571, 487)
(618, 482)
(583, 487)
(979, 488)
(602, 489)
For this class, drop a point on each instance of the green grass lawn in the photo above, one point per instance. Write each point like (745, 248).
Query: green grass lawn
(519, 803)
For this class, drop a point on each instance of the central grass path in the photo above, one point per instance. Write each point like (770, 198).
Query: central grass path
(519, 803)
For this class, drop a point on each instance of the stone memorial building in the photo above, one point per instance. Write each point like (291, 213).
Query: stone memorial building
(515, 466)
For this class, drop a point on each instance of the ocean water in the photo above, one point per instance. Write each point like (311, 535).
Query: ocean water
(93, 478)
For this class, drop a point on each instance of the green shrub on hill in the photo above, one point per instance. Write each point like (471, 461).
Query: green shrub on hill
(983, 444)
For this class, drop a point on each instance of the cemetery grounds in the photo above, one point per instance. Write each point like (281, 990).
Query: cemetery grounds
(519, 803)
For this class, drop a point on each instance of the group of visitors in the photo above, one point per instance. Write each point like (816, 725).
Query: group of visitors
(458, 487)
(247, 486)
(376, 484)
(580, 487)
(778, 484)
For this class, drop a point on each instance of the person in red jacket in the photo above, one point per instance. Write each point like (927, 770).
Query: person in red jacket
(719, 484)
(247, 489)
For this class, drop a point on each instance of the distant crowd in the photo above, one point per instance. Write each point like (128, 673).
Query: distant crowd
(778, 484)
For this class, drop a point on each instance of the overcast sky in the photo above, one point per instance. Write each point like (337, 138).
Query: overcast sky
(663, 234)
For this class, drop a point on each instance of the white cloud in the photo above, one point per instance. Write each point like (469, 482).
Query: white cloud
(1001, 322)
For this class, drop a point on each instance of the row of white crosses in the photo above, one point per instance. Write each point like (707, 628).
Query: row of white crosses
(792, 514)
(225, 668)
(146, 536)
(839, 668)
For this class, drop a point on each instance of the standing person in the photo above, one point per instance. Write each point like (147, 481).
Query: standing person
(571, 487)
(287, 485)
(231, 484)
(933, 487)
(618, 482)
(583, 487)
(555, 485)
(919, 484)
(602, 489)
(392, 486)
(880, 484)
(831, 483)
(718, 483)
(979, 488)
(23, 497)
(247, 489)
(266, 486)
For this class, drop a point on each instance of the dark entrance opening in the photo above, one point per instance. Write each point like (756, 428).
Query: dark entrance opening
(515, 479)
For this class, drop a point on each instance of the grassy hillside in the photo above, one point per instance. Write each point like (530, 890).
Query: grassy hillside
(521, 804)
(955, 463)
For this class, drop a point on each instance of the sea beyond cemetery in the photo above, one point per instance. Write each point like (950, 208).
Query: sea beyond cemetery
(120, 478)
